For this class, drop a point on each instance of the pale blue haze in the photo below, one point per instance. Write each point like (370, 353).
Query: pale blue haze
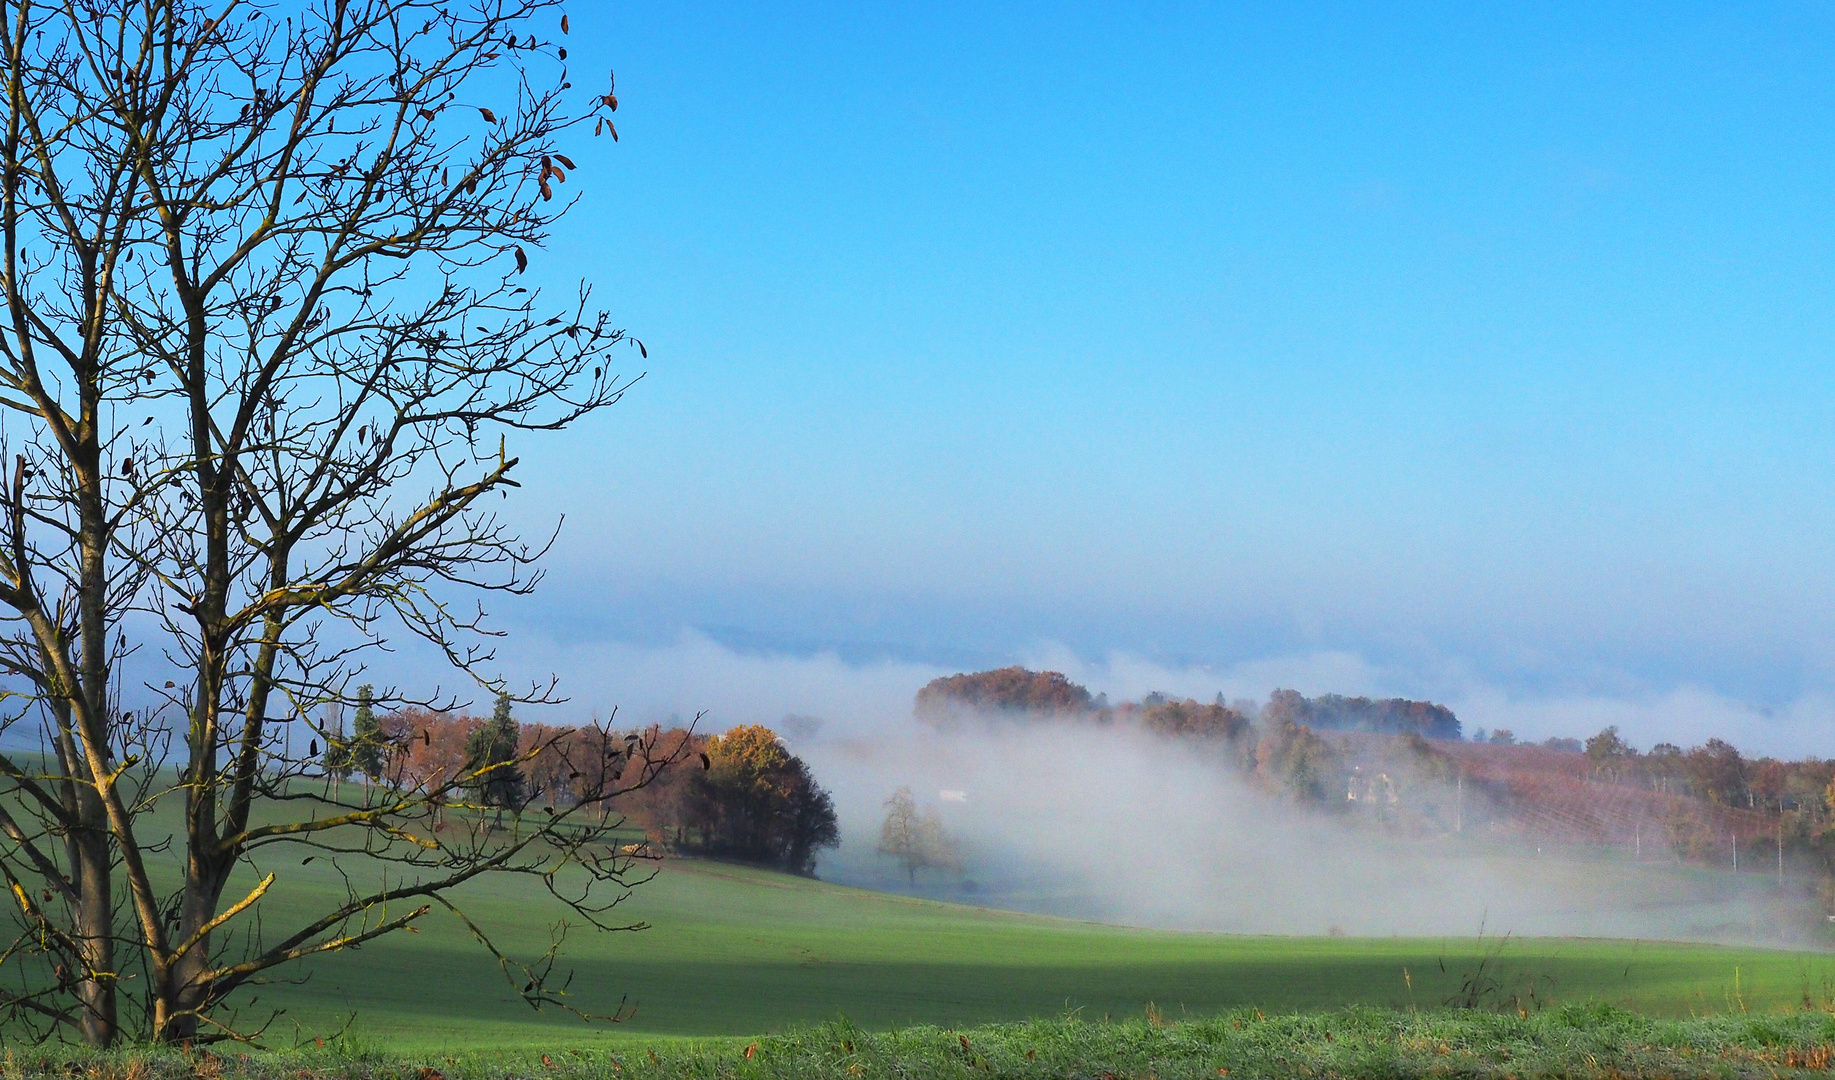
(1485, 345)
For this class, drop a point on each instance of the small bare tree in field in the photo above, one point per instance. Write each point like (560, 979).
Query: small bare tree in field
(263, 342)
(915, 837)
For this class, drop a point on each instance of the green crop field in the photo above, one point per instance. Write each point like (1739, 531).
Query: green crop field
(736, 951)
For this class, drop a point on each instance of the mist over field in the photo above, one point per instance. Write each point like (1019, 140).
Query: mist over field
(1109, 823)
(1115, 825)
(694, 672)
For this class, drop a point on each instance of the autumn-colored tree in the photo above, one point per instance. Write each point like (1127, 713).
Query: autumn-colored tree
(1608, 754)
(1334, 712)
(1296, 762)
(758, 802)
(429, 745)
(1766, 780)
(1662, 767)
(668, 809)
(1005, 692)
(1188, 719)
(1716, 771)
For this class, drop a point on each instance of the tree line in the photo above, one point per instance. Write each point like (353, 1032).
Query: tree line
(740, 795)
(1394, 757)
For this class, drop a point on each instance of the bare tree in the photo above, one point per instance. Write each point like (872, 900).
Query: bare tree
(263, 343)
(916, 838)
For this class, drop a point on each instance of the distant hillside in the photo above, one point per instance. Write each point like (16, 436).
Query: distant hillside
(1008, 691)
(1404, 766)
(1332, 712)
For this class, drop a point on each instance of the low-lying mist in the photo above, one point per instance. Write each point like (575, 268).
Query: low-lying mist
(1114, 824)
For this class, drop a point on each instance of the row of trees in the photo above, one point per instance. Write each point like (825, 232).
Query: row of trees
(1016, 693)
(1715, 771)
(1505, 737)
(740, 795)
(1335, 712)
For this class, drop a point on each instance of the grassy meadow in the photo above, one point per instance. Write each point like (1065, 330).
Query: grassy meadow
(733, 951)
(1575, 1041)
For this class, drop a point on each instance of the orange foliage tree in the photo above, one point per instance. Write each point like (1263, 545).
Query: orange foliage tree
(756, 801)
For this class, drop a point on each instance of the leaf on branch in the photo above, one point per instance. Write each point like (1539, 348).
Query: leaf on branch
(170, 684)
(547, 192)
(563, 22)
(522, 259)
(599, 128)
(613, 130)
(565, 160)
(489, 116)
(428, 114)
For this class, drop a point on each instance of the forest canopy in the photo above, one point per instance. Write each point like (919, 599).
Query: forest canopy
(1012, 691)
(1388, 716)
(1018, 693)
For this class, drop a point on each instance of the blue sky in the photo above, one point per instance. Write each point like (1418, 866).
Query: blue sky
(1489, 349)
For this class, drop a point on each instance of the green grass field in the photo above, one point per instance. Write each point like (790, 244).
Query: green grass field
(1570, 1042)
(736, 951)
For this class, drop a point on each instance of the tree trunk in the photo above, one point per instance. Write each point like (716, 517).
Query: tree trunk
(94, 921)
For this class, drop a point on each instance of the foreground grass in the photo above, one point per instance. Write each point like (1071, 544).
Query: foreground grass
(1574, 1041)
